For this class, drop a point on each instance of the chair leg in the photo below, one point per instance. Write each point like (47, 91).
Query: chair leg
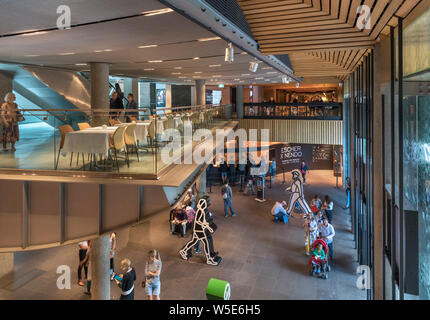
(116, 160)
(83, 161)
(58, 158)
(71, 159)
(137, 152)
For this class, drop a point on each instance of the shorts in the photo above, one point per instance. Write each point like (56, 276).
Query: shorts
(153, 289)
(223, 174)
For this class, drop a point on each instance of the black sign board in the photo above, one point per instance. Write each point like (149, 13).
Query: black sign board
(290, 155)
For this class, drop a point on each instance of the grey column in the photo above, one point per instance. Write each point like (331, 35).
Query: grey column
(99, 92)
(201, 183)
(100, 268)
(378, 183)
(200, 92)
(239, 102)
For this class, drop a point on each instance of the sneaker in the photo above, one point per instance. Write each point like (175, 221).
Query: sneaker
(226, 216)
(81, 283)
(211, 262)
(183, 255)
(197, 251)
(234, 215)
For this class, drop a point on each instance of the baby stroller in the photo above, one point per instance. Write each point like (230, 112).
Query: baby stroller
(319, 264)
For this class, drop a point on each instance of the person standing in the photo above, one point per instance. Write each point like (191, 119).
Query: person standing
(224, 170)
(232, 169)
(131, 105)
(327, 234)
(112, 240)
(348, 192)
(273, 169)
(304, 170)
(89, 269)
(316, 201)
(127, 280)
(227, 194)
(328, 208)
(83, 259)
(116, 105)
(10, 116)
(242, 173)
(152, 275)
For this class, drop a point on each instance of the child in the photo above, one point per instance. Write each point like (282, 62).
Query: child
(318, 257)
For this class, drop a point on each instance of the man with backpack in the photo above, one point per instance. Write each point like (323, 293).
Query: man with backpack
(227, 193)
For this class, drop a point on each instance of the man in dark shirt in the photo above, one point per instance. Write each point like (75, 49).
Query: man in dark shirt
(131, 104)
(116, 104)
(180, 218)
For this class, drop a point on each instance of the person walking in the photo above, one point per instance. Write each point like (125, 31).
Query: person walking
(328, 208)
(88, 254)
(83, 259)
(348, 192)
(227, 194)
(127, 280)
(224, 169)
(327, 234)
(112, 240)
(152, 275)
(304, 170)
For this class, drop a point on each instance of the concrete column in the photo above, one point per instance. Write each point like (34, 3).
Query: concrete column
(201, 183)
(193, 96)
(200, 92)
(5, 86)
(6, 263)
(99, 92)
(378, 196)
(239, 102)
(99, 264)
(168, 98)
(135, 90)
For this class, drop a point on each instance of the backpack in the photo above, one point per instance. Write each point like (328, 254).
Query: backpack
(224, 193)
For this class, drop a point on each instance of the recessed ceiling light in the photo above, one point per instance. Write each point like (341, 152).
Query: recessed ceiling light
(98, 51)
(149, 69)
(245, 74)
(214, 65)
(196, 76)
(182, 77)
(107, 50)
(236, 79)
(196, 58)
(156, 12)
(66, 53)
(177, 68)
(176, 73)
(80, 64)
(198, 72)
(272, 72)
(244, 52)
(32, 55)
(259, 78)
(148, 46)
(208, 39)
(267, 68)
(155, 61)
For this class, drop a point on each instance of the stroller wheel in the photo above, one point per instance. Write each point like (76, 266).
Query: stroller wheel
(328, 268)
(324, 276)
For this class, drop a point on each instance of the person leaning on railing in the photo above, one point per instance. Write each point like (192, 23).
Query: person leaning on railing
(10, 117)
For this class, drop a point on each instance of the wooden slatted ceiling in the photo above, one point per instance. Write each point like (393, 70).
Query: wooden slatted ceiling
(321, 36)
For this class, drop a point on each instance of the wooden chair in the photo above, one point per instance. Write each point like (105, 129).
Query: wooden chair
(130, 139)
(113, 122)
(117, 144)
(63, 131)
(83, 126)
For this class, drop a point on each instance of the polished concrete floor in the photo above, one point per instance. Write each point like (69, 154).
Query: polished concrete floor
(261, 259)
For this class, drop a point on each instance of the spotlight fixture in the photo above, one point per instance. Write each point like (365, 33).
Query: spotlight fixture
(253, 66)
(297, 84)
(285, 79)
(229, 53)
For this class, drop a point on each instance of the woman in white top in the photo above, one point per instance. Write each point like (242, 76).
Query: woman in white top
(328, 207)
(152, 275)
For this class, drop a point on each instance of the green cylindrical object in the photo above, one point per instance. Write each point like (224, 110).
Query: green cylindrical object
(218, 290)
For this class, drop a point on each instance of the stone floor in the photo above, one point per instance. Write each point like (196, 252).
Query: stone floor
(261, 259)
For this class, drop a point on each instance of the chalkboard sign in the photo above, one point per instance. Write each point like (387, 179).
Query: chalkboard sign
(290, 155)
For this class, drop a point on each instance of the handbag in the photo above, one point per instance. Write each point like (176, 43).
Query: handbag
(144, 284)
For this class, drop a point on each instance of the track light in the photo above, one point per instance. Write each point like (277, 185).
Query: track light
(253, 66)
(285, 79)
(297, 84)
(229, 53)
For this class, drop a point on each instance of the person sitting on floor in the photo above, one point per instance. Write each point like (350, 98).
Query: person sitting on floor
(180, 218)
(278, 211)
(190, 213)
